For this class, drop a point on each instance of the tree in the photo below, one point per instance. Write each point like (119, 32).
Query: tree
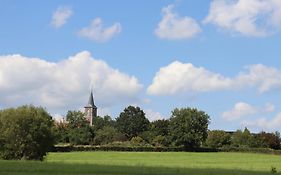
(61, 132)
(270, 140)
(243, 139)
(132, 122)
(160, 127)
(100, 122)
(218, 139)
(80, 133)
(107, 135)
(188, 127)
(25, 133)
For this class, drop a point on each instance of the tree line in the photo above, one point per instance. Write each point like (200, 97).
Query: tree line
(29, 132)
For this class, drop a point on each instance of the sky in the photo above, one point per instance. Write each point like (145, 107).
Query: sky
(220, 56)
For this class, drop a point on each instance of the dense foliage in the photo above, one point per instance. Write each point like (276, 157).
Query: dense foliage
(25, 133)
(132, 121)
(218, 139)
(189, 127)
(29, 132)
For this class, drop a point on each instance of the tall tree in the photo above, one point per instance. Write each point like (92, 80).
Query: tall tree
(132, 121)
(80, 132)
(189, 127)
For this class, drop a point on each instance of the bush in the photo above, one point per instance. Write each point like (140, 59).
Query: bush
(125, 148)
(107, 135)
(218, 139)
(159, 141)
(137, 140)
(250, 150)
(25, 133)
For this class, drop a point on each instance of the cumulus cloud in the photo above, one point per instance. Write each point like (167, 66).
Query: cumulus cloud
(152, 115)
(64, 84)
(174, 27)
(242, 109)
(60, 16)
(97, 32)
(180, 78)
(265, 124)
(254, 18)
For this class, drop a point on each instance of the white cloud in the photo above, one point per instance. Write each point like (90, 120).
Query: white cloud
(174, 27)
(254, 18)
(152, 115)
(97, 32)
(60, 16)
(265, 124)
(63, 85)
(240, 109)
(179, 78)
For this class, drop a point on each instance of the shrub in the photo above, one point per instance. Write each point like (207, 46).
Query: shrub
(159, 141)
(218, 139)
(107, 135)
(137, 140)
(25, 133)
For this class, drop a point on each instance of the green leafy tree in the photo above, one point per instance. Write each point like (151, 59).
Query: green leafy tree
(156, 128)
(80, 132)
(188, 127)
(243, 139)
(100, 122)
(107, 135)
(159, 141)
(132, 121)
(160, 127)
(218, 139)
(25, 133)
(61, 132)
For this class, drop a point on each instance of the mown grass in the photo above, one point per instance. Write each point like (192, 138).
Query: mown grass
(143, 163)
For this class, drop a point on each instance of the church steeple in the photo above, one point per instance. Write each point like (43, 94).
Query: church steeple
(90, 109)
(91, 102)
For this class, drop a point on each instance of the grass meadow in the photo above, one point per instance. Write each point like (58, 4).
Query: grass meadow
(144, 163)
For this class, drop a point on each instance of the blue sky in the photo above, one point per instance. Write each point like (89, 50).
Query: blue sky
(220, 56)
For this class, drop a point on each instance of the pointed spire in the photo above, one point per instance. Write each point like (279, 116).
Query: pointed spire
(91, 102)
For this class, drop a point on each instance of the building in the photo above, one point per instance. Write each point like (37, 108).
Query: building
(90, 109)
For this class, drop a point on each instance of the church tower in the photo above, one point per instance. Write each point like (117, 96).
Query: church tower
(90, 110)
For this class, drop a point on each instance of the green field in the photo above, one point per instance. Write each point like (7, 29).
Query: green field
(137, 163)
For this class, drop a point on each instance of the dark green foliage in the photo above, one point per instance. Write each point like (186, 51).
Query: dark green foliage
(79, 131)
(25, 133)
(137, 141)
(107, 135)
(159, 141)
(132, 122)
(243, 139)
(269, 140)
(61, 132)
(101, 122)
(188, 127)
(160, 127)
(218, 139)
(273, 170)
(138, 148)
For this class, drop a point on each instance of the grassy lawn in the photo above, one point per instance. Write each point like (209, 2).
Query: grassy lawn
(137, 163)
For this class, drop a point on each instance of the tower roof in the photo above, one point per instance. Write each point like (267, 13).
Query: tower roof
(91, 102)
